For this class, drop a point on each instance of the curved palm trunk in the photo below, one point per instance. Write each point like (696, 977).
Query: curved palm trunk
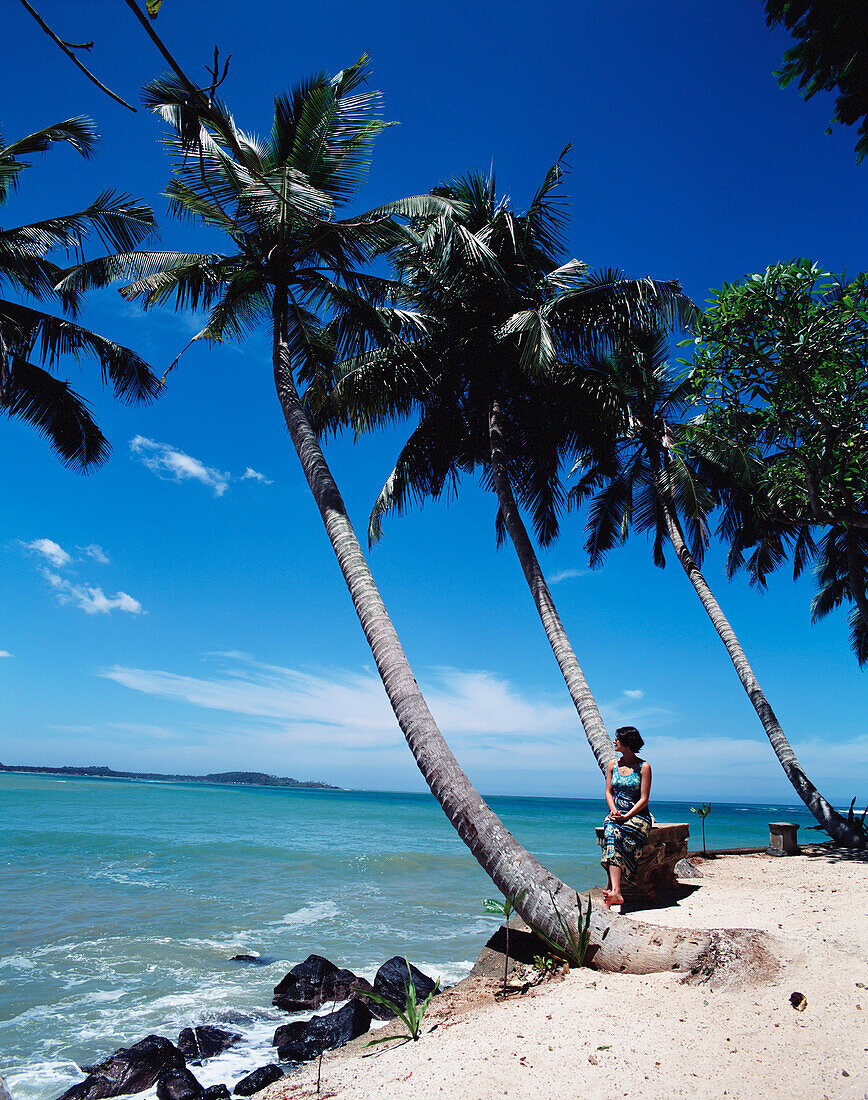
(580, 693)
(826, 815)
(616, 944)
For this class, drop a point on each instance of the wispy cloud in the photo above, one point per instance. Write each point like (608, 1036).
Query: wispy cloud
(96, 553)
(345, 707)
(634, 693)
(566, 575)
(349, 709)
(5, 653)
(254, 475)
(172, 464)
(50, 550)
(91, 600)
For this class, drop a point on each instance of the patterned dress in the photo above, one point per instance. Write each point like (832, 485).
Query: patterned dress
(626, 839)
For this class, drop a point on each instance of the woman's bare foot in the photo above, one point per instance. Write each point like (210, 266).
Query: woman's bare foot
(610, 898)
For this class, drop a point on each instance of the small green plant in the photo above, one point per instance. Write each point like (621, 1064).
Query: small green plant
(411, 1015)
(703, 812)
(505, 909)
(545, 965)
(577, 939)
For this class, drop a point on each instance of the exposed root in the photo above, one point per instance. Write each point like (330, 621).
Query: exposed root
(735, 957)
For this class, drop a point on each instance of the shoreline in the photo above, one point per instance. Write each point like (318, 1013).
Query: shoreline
(600, 1035)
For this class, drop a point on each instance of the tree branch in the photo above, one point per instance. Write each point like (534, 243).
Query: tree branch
(67, 48)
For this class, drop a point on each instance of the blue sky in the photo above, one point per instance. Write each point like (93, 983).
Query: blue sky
(180, 609)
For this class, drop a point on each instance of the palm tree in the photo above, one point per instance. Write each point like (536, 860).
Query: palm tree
(499, 317)
(292, 262)
(30, 391)
(645, 481)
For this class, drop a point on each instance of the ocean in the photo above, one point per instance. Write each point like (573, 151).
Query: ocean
(122, 902)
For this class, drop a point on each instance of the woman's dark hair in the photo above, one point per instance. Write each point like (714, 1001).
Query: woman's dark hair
(630, 738)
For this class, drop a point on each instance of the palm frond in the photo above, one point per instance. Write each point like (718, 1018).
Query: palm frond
(33, 395)
(78, 132)
(52, 338)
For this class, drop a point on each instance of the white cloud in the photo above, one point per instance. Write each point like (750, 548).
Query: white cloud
(566, 575)
(5, 653)
(341, 707)
(171, 464)
(91, 600)
(96, 552)
(168, 462)
(634, 693)
(254, 475)
(50, 550)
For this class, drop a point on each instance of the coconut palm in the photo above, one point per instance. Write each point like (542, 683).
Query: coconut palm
(29, 389)
(500, 317)
(646, 482)
(294, 267)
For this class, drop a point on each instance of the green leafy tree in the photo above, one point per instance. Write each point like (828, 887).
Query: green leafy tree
(782, 363)
(831, 54)
(499, 317)
(33, 343)
(649, 480)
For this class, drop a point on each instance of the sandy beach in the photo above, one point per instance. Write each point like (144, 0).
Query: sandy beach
(595, 1035)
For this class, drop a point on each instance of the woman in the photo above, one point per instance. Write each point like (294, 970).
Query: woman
(628, 788)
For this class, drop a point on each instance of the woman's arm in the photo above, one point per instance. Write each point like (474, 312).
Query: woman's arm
(610, 797)
(644, 791)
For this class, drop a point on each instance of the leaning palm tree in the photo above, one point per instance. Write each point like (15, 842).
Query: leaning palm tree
(294, 266)
(30, 391)
(499, 316)
(646, 481)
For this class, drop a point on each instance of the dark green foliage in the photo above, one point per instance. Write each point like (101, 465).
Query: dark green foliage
(782, 362)
(831, 54)
(488, 309)
(643, 463)
(28, 389)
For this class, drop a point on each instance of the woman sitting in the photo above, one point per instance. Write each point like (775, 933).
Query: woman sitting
(628, 788)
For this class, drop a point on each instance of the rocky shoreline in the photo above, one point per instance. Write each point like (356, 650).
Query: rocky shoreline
(158, 1061)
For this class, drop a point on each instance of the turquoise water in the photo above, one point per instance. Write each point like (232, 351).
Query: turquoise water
(122, 901)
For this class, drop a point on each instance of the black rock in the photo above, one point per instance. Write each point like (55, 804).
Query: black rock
(391, 982)
(256, 960)
(205, 1041)
(179, 1084)
(313, 983)
(128, 1070)
(216, 1092)
(302, 1040)
(258, 1080)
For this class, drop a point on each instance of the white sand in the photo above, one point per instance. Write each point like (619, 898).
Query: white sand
(593, 1035)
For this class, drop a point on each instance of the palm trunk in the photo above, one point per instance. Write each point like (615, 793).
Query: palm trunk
(580, 693)
(616, 944)
(826, 815)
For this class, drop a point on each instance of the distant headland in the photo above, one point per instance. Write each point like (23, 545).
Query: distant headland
(247, 779)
